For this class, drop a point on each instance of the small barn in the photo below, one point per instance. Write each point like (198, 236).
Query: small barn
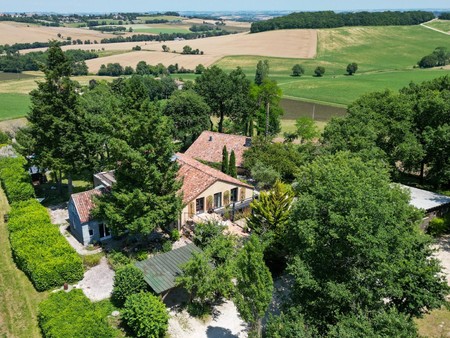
(160, 271)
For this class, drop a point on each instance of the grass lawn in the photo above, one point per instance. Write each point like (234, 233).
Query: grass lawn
(13, 106)
(18, 298)
(435, 324)
(442, 25)
(385, 56)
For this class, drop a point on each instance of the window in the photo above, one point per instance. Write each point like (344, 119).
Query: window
(218, 200)
(234, 195)
(103, 230)
(91, 232)
(200, 205)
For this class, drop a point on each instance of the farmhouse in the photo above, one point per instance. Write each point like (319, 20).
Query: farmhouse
(435, 205)
(209, 145)
(204, 190)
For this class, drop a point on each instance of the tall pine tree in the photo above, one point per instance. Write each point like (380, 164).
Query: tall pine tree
(56, 122)
(232, 165)
(145, 195)
(225, 160)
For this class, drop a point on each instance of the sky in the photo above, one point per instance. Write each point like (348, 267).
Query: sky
(83, 6)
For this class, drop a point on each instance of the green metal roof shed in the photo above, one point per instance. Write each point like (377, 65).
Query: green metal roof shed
(161, 270)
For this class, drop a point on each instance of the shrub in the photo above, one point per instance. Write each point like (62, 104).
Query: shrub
(167, 246)
(4, 138)
(128, 280)
(90, 261)
(117, 259)
(146, 315)
(71, 314)
(39, 249)
(298, 70)
(175, 235)
(15, 180)
(437, 227)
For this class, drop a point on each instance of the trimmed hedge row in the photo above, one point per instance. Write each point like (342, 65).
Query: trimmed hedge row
(15, 180)
(71, 314)
(39, 249)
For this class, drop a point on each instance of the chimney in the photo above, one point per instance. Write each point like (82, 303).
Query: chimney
(210, 138)
(248, 142)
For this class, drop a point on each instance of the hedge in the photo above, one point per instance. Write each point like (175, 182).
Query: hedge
(15, 180)
(71, 314)
(39, 249)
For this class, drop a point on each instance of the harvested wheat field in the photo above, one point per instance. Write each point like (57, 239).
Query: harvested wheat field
(295, 43)
(14, 32)
(153, 58)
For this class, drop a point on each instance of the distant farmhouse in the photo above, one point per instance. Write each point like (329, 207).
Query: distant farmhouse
(204, 190)
(435, 205)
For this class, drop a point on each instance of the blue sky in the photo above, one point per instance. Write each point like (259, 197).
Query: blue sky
(69, 6)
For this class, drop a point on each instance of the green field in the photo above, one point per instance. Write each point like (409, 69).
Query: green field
(385, 56)
(13, 105)
(160, 17)
(163, 30)
(442, 25)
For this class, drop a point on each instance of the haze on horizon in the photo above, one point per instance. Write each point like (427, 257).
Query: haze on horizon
(106, 6)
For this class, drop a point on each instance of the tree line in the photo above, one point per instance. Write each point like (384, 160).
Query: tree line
(440, 57)
(330, 19)
(17, 63)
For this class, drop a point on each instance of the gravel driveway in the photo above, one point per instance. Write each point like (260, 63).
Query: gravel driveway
(98, 281)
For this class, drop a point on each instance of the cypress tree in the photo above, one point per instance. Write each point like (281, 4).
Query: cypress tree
(232, 165)
(225, 160)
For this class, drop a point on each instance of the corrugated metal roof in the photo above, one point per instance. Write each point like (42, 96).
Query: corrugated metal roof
(161, 270)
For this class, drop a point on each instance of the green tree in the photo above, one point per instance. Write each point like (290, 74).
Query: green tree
(319, 71)
(352, 68)
(142, 68)
(225, 165)
(262, 72)
(146, 315)
(269, 220)
(232, 165)
(268, 93)
(56, 120)
(199, 69)
(128, 280)
(145, 195)
(381, 324)
(355, 243)
(287, 325)
(265, 176)
(190, 115)
(298, 70)
(254, 284)
(306, 129)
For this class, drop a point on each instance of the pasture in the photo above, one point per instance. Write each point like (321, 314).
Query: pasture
(13, 106)
(442, 25)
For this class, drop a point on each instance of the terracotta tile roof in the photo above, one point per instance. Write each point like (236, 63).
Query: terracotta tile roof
(83, 203)
(197, 177)
(208, 147)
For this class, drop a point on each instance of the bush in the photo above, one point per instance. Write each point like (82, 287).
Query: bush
(438, 226)
(146, 315)
(167, 246)
(4, 138)
(71, 314)
(90, 261)
(117, 259)
(175, 235)
(298, 70)
(15, 180)
(352, 68)
(128, 280)
(39, 249)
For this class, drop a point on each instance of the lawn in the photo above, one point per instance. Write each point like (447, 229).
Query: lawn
(435, 324)
(18, 298)
(442, 25)
(385, 56)
(13, 106)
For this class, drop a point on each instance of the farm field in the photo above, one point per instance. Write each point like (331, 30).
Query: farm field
(157, 29)
(442, 25)
(18, 304)
(14, 32)
(13, 106)
(385, 56)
